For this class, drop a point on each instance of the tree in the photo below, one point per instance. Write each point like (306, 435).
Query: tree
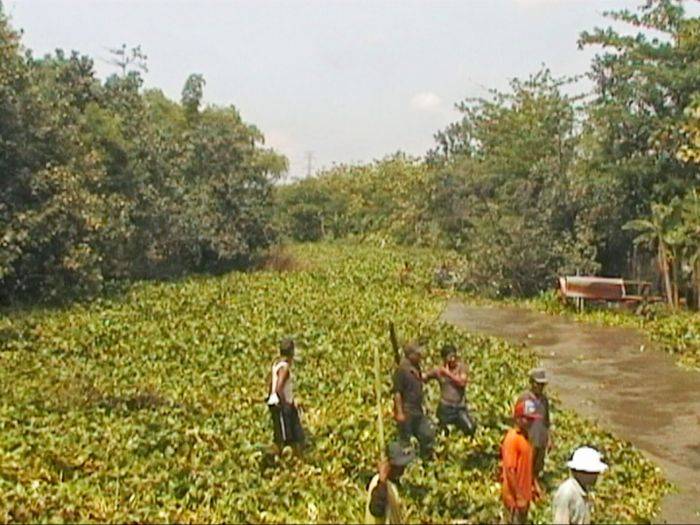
(192, 93)
(103, 180)
(134, 59)
(690, 213)
(643, 84)
(689, 150)
(659, 232)
(509, 191)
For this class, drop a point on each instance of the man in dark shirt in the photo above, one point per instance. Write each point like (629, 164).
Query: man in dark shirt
(408, 402)
(452, 376)
(539, 433)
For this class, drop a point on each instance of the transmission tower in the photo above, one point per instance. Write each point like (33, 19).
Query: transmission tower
(309, 156)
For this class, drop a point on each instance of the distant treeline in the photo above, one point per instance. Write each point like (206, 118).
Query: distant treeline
(102, 180)
(532, 182)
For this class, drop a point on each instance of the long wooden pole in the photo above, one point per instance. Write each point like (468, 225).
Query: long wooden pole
(378, 395)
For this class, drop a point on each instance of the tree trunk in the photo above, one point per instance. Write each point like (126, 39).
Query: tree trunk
(663, 264)
(696, 279)
(673, 275)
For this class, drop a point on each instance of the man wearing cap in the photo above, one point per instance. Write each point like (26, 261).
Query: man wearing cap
(452, 376)
(383, 501)
(286, 424)
(539, 432)
(518, 486)
(570, 504)
(408, 402)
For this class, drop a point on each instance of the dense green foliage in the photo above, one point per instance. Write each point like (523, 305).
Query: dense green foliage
(149, 407)
(389, 198)
(105, 179)
(531, 182)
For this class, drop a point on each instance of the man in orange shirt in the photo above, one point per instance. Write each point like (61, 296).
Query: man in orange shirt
(519, 488)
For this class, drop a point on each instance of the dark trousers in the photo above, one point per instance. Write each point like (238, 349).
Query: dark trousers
(538, 455)
(286, 425)
(456, 415)
(419, 426)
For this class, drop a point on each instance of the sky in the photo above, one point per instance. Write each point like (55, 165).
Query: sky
(328, 81)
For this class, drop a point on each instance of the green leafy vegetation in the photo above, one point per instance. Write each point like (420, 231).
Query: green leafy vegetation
(149, 406)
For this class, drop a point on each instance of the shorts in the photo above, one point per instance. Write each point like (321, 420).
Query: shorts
(456, 415)
(286, 425)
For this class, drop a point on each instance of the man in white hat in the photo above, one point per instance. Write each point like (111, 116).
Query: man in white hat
(570, 503)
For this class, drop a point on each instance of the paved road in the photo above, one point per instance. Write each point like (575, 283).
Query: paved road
(611, 375)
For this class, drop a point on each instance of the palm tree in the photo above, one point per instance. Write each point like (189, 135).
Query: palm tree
(660, 232)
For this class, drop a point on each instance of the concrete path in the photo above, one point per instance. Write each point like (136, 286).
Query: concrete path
(612, 376)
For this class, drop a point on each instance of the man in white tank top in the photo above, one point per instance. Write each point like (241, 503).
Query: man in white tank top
(286, 424)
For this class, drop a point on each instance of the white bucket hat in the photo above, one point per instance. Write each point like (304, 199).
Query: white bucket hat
(587, 459)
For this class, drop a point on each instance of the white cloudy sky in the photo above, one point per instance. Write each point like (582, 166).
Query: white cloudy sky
(347, 80)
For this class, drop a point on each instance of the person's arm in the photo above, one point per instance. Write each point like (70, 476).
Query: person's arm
(282, 376)
(548, 425)
(458, 377)
(432, 374)
(399, 414)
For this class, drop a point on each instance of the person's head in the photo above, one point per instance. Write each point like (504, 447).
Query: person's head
(538, 380)
(413, 352)
(449, 354)
(287, 348)
(524, 414)
(586, 465)
(398, 459)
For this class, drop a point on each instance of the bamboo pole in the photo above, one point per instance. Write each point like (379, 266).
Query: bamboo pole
(378, 395)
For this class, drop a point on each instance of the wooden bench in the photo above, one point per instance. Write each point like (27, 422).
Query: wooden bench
(592, 288)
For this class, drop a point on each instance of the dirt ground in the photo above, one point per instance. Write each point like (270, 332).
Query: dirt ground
(613, 376)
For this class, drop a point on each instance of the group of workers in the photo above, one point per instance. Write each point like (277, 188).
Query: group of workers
(523, 449)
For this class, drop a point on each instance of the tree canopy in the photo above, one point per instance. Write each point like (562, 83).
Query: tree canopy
(104, 179)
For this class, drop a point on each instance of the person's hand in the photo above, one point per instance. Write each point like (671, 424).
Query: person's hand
(400, 417)
(537, 492)
(383, 471)
(521, 503)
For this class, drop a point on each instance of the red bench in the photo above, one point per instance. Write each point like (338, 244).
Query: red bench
(592, 288)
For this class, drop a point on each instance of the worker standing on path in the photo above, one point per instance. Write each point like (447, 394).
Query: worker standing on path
(570, 504)
(453, 377)
(286, 424)
(383, 500)
(518, 486)
(408, 402)
(539, 432)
